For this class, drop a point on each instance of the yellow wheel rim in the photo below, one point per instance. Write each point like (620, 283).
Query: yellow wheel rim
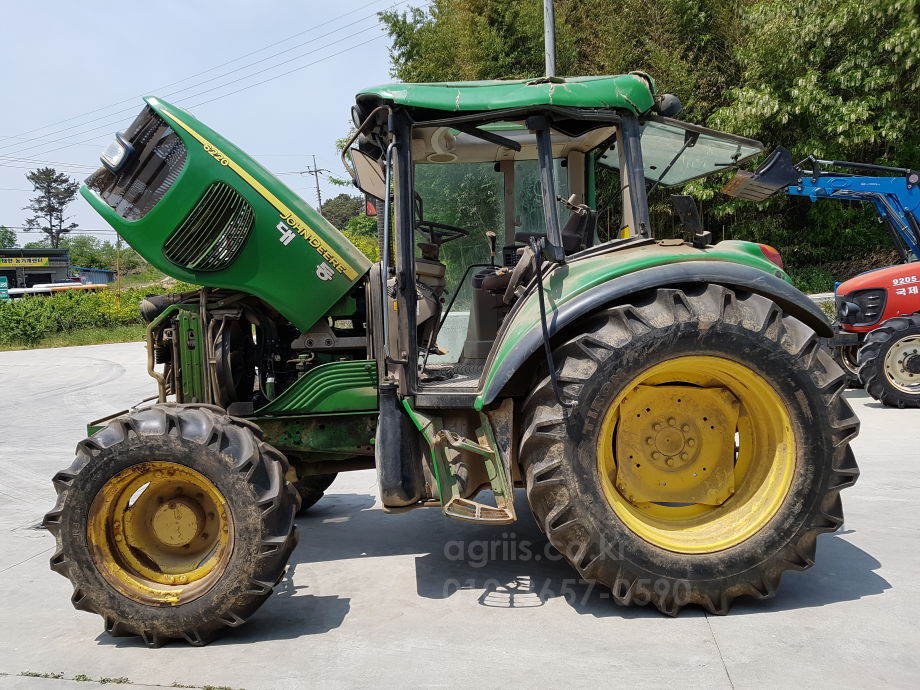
(697, 454)
(160, 533)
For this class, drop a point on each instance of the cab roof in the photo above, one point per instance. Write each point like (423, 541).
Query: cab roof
(634, 91)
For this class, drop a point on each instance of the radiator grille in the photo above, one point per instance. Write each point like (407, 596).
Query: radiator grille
(213, 233)
(159, 156)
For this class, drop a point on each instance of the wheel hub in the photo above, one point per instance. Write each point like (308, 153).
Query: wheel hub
(162, 533)
(912, 363)
(902, 364)
(675, 444)
(178, 522)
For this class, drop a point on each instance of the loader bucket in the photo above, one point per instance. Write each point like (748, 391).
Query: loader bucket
(776, 173)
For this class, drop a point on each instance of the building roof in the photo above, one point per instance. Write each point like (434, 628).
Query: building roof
(634, 91)
(41, 251)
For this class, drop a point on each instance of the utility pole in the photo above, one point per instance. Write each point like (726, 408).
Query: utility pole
(549, 38)
(117, 269)
(316, 173)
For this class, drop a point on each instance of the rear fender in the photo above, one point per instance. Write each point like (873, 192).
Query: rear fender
(507, 358)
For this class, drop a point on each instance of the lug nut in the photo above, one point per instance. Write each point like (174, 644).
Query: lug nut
(684, 456)
(685, 428)
(691, 442)
(650, 441)
(657, 426)
(657, 456)
(672, 421)
(671, 462)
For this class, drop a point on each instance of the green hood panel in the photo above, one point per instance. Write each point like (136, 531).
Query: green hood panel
(277, 248)
(633, 92)
(567, 282)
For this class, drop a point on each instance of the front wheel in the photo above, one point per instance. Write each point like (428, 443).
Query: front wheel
(173, 522)
(889, 362)
(846, 357)
(705, 453)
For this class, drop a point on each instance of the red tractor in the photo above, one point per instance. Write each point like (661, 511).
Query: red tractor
(878, 312)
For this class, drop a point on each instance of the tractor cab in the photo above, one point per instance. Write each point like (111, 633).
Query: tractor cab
(483, 194)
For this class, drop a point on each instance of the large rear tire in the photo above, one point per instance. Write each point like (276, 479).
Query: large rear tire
(173, 522)
(889, 362)
(705, 453)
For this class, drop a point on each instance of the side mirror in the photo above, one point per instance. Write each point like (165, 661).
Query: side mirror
(688, 213)
(368, 174)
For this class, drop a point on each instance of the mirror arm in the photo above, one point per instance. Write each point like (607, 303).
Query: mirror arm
(345, 149)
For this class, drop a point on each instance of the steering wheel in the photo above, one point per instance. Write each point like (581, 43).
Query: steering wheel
(439, 233)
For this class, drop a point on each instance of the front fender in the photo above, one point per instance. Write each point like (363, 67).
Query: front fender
(522, 336)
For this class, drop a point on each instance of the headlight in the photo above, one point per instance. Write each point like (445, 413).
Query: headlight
(117, 153)
(861, 307)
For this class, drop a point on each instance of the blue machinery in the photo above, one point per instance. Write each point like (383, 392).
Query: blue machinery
(895, 192)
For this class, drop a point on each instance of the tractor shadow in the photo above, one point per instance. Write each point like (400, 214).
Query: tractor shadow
(514, 566)
(508, 567)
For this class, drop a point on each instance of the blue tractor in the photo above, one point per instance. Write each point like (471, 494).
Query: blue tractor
(878, 312)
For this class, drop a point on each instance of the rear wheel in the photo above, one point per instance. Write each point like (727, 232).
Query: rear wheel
(173, 521)
(846, 357)
(889, 362)
(706, 451)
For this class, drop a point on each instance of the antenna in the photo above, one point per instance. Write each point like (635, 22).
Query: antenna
(549, 38)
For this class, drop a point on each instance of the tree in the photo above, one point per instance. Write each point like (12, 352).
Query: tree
(54, 192)
(835, 78)
(340, 209)
(7, 237)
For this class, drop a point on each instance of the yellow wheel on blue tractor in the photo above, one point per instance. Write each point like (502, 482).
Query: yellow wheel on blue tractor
(705, 451)
(175, 521)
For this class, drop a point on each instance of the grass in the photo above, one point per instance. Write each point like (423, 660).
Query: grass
(145, 276)
(85, 336)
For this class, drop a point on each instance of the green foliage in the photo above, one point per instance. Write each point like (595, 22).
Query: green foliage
(361, 230)
(835, 78)
(27, 320)
(474, 203)
(54, 192)
(87, 251)
(340, 209)
(90, 252)
(812, 279)
(7, 237)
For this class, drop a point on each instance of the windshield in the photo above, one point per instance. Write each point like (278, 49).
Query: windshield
(674, 152)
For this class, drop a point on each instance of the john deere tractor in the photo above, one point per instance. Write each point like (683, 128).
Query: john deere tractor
(667, 405)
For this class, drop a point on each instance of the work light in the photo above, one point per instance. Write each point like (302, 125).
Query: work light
(117, 153)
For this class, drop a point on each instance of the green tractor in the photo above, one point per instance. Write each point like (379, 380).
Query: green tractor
(669, 406)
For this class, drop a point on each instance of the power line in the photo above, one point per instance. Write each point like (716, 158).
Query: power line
(132, 109)
(231, 93)
(109, 123)
(25, 228)
(197, 74)
(68, 170)
(284, 74)
(7, 159)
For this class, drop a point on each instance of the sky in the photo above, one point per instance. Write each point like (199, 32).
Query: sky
(72, 74)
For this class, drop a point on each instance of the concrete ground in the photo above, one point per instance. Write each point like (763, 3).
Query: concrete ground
(414, 600)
